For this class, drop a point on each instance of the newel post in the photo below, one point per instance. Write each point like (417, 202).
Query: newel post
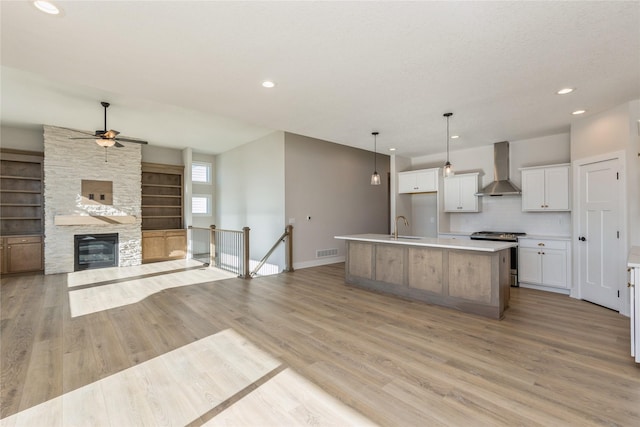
(246, 271)
(212, 246)
(289, 249)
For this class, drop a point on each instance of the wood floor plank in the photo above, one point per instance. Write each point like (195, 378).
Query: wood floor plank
(553, 360)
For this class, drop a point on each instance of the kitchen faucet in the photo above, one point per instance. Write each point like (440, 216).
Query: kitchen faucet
(406, 223)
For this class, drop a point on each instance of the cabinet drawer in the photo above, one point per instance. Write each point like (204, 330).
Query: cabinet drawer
(547, 244)
(24, 239)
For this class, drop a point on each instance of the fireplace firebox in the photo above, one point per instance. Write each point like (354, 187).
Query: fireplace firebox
(95, 251)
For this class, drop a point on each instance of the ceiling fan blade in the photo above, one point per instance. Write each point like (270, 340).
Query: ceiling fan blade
(117, 144)
(83, 137)
(137, 141)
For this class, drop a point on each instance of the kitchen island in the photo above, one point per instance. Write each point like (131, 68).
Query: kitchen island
(469, 275)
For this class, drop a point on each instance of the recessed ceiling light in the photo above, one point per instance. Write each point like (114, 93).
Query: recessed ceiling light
(455, 136)
(575, 113)
(46, 7)
(565, 91)
(268, 83)
(392, 149)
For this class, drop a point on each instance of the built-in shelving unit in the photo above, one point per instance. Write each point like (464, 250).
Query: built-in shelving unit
(163, 235)
(21, 211)
(162, 196)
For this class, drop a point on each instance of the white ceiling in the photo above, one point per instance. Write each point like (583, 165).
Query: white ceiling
(188, 73)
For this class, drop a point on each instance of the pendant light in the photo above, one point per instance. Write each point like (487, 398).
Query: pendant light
(448, 167)
(375, 178)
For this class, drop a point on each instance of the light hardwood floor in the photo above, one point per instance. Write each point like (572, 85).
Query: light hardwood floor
(300, 348)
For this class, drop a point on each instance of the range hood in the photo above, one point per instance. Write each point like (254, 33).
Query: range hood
(501, 186)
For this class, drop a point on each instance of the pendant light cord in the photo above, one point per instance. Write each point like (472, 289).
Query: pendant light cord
(375, 151)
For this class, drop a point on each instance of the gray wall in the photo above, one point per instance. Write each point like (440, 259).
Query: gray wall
(331, 184)
(250, 192)
(22, 138)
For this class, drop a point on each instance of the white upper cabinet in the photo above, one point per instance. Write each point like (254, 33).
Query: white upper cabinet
(546, 188)
(418, 181)
(460, 193)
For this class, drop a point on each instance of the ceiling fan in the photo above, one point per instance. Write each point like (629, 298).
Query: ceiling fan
(108, 138)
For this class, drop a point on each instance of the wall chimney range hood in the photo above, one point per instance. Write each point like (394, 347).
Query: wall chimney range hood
(501, 186)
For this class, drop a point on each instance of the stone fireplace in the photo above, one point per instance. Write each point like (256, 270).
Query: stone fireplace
(67, 165)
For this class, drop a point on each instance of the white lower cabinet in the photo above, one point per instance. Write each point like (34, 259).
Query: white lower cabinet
(544, 262)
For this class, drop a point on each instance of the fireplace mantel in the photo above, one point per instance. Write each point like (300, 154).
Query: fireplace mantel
(94, 219)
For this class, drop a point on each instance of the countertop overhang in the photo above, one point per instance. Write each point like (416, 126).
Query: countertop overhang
(434, 242)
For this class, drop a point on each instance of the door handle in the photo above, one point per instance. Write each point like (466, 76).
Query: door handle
(582, 239)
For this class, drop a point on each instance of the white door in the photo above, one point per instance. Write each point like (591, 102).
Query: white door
(598, 246)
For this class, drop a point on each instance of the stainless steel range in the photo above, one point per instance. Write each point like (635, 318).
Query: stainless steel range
(503, 236)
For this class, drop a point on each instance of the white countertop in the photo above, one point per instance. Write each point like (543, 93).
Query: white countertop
(634, 257)
(544, 237)
(433, 242)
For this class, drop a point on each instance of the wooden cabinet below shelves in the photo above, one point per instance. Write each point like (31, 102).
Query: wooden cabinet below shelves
(164, 245)
(21, 254)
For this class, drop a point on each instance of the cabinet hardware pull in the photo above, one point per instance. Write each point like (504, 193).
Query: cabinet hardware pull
(542, 206)
(540, 244)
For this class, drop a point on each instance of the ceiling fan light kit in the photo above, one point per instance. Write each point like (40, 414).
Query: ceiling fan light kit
(109, 138)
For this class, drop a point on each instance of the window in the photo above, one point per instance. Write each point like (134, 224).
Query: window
(201, 172)
(201, 204)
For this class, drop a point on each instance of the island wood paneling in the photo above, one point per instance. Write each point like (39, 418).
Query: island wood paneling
(425, 269)
(389, 264)
(360, 259)
(471, 276)
(553, 360)
(464, 279)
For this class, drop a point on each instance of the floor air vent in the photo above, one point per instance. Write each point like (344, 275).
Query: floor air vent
(323, 253)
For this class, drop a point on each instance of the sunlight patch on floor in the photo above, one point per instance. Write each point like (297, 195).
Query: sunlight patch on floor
(288, 399)
(182, 385)
(104, 297)
(87, 277)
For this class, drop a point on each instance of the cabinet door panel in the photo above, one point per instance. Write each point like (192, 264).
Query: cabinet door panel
(24, 257)
(468, 190)
(529, 265)
(426, 181)
(153, 246)
(533, 190)
(406, 182)
(554, 268)
(176, 244)
(451, 195)
(557, 188)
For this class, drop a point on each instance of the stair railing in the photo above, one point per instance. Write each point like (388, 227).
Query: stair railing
(288, 236)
